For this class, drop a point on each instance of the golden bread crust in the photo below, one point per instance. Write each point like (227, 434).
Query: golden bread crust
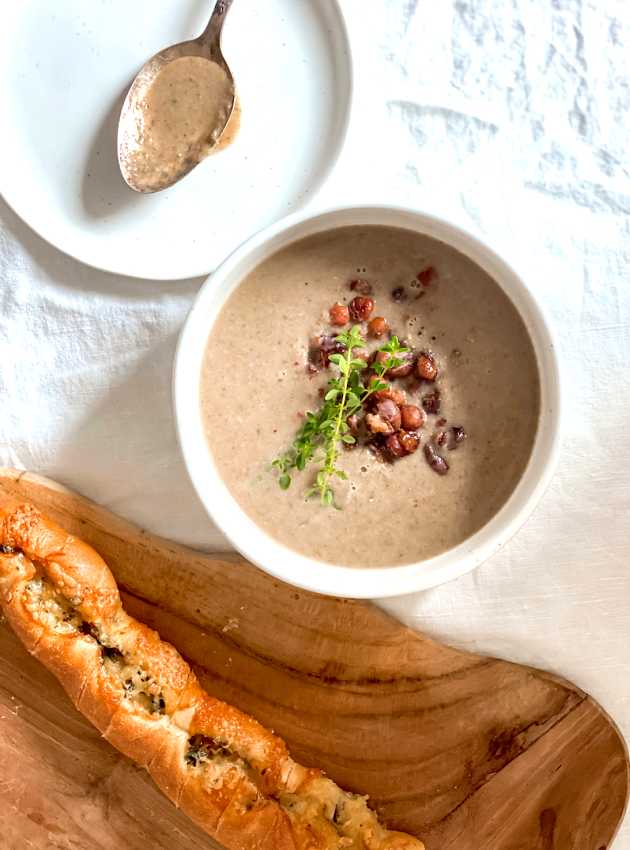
(227, 772)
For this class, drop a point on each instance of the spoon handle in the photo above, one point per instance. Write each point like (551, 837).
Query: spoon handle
(212, 34)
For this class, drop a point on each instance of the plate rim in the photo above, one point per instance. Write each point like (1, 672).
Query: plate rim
(13, 199)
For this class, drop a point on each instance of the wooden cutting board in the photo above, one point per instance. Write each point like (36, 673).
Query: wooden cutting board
(468, 752)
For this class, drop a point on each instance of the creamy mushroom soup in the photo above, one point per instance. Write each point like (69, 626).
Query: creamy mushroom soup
(431, 456)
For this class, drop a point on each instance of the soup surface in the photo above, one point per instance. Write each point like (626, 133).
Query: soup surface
(258, 380)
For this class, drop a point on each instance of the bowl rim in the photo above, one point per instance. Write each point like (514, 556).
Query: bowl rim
(274, 557)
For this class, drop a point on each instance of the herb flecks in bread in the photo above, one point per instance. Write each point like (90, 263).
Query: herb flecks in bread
(226, 771)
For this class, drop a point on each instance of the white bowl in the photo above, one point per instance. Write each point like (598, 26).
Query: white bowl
(257, 545)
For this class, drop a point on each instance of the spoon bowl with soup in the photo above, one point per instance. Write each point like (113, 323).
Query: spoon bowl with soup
(176, 110)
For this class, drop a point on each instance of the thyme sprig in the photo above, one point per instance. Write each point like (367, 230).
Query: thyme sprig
(324, 432)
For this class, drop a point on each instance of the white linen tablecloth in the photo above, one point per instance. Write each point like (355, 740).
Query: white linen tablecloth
(510, 117)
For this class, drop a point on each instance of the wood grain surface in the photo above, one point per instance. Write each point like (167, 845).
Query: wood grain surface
(468, 752)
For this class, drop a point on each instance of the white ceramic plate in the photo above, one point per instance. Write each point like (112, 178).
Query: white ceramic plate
(64, 69)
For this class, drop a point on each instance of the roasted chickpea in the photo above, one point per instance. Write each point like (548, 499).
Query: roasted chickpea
(405, 368)
(409, 442)
(390, 412)
(361, 308)
(435, 460)
(457, 436)
(399, 397)
(377, 425)
(412, 417)
(339, 315)
(394, 446)
(426, 366)
(378, 326)
(432, 402)
(380, 357)
(440, 438)
(325, 345)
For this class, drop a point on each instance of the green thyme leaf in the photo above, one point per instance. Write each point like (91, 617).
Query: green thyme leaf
(324, 431)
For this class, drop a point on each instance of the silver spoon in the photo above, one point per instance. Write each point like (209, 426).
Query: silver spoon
(147, 162)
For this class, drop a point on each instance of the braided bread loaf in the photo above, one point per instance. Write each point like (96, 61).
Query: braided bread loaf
(227, 772)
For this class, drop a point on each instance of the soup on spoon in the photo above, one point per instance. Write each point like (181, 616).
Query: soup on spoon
(177, 110)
